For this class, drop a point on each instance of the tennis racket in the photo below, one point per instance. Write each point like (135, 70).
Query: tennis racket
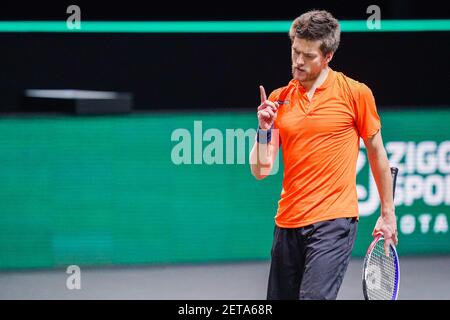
(381, 274)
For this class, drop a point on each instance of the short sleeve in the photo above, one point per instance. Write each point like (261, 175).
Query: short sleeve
(367, 118)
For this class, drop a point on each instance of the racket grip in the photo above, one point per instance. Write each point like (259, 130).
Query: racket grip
(394, 172)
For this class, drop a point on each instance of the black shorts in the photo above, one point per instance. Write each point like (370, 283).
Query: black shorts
(310, 262)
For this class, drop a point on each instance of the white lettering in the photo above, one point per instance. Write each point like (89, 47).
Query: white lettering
(240, 136)
(397, 151)
(426, 157)
(407, 224)
(215, 147)
(74, 20)
(410, 157)
(413, 189)
(433, 190)
(444, 157)
(447, 190)
(181, 152)
(198, 142)
(424, 220)
(74, 280)
(441, 224)
(374, 20)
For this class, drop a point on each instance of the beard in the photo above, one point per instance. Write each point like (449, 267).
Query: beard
(304, 76)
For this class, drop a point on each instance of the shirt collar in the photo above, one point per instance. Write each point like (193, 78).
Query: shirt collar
(328, 81)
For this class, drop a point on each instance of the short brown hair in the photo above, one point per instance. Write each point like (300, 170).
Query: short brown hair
(317, 25)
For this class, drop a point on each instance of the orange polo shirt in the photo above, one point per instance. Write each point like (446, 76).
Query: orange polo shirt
(320, 145)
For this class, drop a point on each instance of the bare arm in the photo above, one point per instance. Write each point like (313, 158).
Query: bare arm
(380, 167)
(262, 156)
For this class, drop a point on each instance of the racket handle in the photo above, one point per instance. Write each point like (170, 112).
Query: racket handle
(394, 172)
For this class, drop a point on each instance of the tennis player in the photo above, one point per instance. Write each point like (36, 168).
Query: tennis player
(320, 117)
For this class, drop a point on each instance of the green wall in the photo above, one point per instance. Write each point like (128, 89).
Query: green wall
(104, 190)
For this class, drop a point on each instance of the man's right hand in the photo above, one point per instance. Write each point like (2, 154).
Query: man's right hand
(267, 111)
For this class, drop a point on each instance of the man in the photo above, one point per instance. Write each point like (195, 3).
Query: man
(320, 117)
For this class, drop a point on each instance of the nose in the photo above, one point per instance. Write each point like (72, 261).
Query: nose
(299, 60)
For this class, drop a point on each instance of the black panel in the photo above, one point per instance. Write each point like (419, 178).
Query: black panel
(216, 70)
(219, 10)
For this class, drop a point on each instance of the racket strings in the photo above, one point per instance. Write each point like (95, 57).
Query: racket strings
(381, 273)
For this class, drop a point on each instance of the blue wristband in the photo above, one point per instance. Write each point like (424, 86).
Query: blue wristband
(264, 136)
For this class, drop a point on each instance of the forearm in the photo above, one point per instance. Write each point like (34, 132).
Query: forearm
(382, 174)
(379, 164)
(263, 154)
(261, 161)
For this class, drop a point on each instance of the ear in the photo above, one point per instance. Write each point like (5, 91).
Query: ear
(328, 57)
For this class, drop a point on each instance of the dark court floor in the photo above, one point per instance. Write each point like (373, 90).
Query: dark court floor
(422, 278)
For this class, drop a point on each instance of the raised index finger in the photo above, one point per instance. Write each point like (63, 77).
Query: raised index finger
(263, 94)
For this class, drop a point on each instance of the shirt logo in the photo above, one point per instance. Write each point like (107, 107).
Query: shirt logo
(283, 101)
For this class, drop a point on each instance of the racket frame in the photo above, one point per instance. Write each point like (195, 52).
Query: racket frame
(394, 172)
(379, 237)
